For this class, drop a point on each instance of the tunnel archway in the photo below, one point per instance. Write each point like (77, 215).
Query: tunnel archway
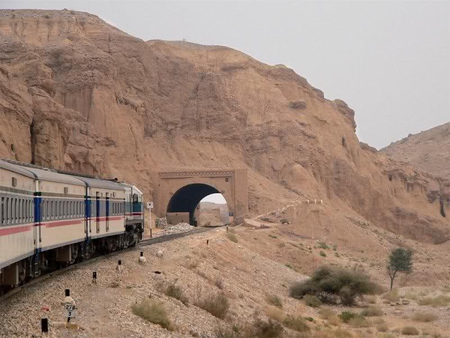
(186, 199)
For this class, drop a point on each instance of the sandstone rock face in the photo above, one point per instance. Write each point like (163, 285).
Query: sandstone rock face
(80, 95)
(429, 150)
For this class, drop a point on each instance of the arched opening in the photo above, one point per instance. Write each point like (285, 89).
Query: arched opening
(183, 205)
(212, 210)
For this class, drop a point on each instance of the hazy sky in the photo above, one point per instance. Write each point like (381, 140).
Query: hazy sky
(390, 61)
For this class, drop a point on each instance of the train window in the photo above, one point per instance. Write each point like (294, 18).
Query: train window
(2, 211)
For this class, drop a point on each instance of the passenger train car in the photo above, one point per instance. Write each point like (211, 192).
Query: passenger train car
(50, 219)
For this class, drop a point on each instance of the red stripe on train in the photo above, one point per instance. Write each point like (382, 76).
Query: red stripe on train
(15, 230)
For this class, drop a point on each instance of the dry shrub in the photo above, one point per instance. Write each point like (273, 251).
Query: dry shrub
(296, 323)
(176, 292)
(372, 311)
(380, 325)
(328, 333)
(424, 317)
(392, 295)
(358, 322)
(371, 299)
(437, 301)
(410, 331)
(153, 312)
(312, 301)
(334, 320)
(275, 314)
(263, 329)
(332, 284)
(217, 305)
(232, 237)
(274, 300)
(326, 313)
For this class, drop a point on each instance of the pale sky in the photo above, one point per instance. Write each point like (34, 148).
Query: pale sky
(390, 61)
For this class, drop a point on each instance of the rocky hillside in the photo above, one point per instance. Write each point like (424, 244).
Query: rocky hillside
(80, 95)
(429, 150)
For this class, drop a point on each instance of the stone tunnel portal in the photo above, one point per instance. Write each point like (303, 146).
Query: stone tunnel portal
(180, 191)
(188, 197)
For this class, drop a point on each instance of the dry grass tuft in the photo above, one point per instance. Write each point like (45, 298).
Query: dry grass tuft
(176, 292)
(153, 312)
(275, 314)
(372, 311)
(437, 301)
(424, 317)
(274, 300)
(392, 296)
(296, 323)
(217, 305)
(359, 322)
(312, 301)
(232, 237)
(410, 331)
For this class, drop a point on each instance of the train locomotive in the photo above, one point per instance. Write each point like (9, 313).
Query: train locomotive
(51, 219)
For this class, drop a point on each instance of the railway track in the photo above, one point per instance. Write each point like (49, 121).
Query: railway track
(143, 243)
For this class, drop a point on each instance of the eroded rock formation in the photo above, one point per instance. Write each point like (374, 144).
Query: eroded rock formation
(80, 95)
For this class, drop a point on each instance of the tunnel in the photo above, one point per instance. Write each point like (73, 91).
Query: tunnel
(188, 197)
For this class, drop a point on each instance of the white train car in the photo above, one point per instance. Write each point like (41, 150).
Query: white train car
(106, 214)
(61, 231)
(134, 211)
(17, 231)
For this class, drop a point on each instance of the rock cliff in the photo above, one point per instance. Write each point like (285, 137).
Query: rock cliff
(80, 95)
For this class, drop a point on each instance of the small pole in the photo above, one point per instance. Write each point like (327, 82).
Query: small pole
(94, 277)
(151, 233)
(67, 292)
(44, 325)
(207, 242)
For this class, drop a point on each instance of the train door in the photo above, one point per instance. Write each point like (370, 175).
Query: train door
(97, 209)
(107, 212)
(88, 213)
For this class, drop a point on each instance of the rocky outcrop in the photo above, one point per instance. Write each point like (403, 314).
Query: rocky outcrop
(80, 95)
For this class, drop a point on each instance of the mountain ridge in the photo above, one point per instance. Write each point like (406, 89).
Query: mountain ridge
(76, 91)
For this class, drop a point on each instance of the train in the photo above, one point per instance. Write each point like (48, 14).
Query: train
(50, 219)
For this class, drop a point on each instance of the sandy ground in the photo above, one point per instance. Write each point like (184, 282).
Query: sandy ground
(264, 261)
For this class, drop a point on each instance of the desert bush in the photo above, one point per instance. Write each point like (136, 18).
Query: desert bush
(437, 301)
(153, 312)
(296, 323)
(312, 301)
(380, 325)
(323, 254)
(323, 245)
(284, 221)
(410, 331)
(263, 329)
(358, 322)
(332, 284)
(371, 299)
(232, 237)
(274, 300)
(372, 311)
(346, 316)
(176, 292)
(275, 314)
(424, 317)
(339, 333)
(326, 313)
(217, 305)
(392, 295)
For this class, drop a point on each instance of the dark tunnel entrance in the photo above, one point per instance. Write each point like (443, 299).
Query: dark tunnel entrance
(186, 199)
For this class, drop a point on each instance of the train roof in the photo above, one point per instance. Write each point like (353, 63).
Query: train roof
(52, 176)
(102, 184)
(16, 169)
